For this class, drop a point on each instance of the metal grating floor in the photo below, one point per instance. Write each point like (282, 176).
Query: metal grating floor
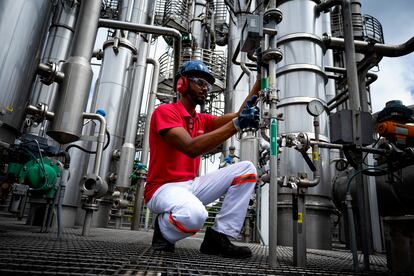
(23, 250)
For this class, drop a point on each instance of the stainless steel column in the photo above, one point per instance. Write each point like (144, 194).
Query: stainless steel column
(235, 95)
(143, 14)
(113, 95)
(197, 29)
(56, 51)
(67, 124)
(273, 127)
(301, 79)
(23, 26)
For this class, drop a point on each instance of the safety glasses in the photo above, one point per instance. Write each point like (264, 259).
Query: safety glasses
(201, 83)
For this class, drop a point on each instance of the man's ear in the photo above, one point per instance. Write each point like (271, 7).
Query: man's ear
(182, 85)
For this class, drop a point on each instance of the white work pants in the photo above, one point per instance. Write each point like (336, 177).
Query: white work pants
(181, 204)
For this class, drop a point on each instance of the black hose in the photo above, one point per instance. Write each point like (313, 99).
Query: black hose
(108, 136)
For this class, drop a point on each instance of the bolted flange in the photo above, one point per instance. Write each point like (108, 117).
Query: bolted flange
(273, 14)
(272, 54)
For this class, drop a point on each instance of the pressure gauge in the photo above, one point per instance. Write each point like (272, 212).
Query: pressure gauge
(315, 108)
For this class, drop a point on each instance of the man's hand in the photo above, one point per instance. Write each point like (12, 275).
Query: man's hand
(249, 117)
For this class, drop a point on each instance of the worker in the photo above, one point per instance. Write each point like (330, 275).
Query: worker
(178, 137)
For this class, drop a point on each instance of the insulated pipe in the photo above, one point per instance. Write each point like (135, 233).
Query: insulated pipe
(73, 93)
(377, 48)
(133, 27)
(145, 143)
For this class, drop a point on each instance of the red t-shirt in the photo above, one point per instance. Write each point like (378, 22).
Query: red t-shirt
(168, 164)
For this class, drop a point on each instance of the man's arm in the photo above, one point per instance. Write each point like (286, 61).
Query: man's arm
(224, 119)
(179, 138)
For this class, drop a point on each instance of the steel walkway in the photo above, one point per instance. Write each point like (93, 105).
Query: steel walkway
(23, 250)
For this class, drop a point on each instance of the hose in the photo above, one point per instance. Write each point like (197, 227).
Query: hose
(108, 137)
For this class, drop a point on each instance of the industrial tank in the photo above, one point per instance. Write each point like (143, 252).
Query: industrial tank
(23, 27)
(300, 79)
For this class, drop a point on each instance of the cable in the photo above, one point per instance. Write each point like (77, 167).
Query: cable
(40, 166)
(108, 136)
(373, 146)
(348, 184)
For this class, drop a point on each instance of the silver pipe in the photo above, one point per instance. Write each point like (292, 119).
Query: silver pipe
(126, 10)
(61, 195)
(352, 232)
(355, 106)
(273, 145)
(351, 68)
(246, 70)
(73, 93)
(100, 141)
(87, 223)
(151, 106)
(133, 27)
(378, 48)
(145, 142)
(197, 29)
(326, 5)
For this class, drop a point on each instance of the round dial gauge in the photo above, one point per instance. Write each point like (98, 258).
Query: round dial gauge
(315, 108)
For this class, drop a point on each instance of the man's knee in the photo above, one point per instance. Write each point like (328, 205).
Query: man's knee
(191, 216)
(248, 167)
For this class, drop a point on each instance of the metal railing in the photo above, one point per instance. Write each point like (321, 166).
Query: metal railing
(176, 15)
(372, 29)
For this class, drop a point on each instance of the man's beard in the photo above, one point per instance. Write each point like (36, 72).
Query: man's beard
(195, 100)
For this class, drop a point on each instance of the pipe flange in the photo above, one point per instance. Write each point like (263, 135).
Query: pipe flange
(272, 54)
(274, 14)
(90, 206)
(120, 42)
(93, 186)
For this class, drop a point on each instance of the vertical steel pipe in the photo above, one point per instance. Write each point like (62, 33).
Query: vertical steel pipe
(273, 192)
(355, 106)
(145, 143)
(351, 67)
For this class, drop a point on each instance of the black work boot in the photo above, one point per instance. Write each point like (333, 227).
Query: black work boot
(216, 243)
(159, 243)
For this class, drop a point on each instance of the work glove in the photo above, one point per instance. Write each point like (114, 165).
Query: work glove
(249, 117)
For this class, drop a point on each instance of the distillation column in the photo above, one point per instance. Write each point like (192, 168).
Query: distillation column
(235, 92)
(142, 13)
(56, 51)
(113, 95)
(22, 38)
(301, 79)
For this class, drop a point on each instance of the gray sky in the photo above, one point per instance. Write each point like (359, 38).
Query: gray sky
(396, 75)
